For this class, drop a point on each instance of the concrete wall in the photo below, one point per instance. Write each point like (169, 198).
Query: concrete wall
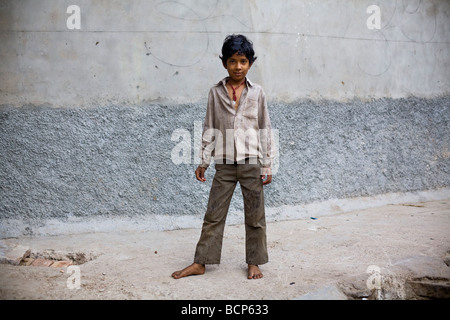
(140, 51)
(87, 115)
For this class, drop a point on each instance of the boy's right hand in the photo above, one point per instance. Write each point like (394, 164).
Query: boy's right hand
(200, 174)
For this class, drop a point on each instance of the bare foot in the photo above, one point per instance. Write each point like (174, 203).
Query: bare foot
(254, 272)
(193, 269)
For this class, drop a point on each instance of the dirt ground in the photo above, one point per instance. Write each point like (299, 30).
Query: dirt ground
(389, 252)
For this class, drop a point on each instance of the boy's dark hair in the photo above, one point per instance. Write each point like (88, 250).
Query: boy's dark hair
(237, 43)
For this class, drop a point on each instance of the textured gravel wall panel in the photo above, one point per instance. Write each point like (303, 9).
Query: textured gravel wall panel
(117, 160)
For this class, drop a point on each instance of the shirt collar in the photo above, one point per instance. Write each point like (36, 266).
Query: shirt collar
(223, 82)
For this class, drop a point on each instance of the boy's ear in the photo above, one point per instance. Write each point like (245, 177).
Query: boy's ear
(224, 63)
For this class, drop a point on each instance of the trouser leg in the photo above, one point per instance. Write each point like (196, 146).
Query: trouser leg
(255, 221)
(209, 246)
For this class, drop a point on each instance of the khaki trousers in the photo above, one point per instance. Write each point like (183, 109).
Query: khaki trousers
(209, 247)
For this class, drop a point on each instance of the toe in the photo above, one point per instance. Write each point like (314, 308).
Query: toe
(176, 274)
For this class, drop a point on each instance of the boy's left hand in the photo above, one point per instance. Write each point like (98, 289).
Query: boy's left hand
(266, 175)
(266, 179)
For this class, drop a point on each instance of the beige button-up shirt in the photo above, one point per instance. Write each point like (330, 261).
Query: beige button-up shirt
(232, 135)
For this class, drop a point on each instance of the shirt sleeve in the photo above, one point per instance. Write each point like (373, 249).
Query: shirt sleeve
(208, 135)
(265, 132)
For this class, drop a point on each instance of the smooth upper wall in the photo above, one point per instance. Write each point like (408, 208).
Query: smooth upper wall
(168, 51)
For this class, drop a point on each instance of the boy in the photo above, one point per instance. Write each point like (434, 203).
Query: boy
(237, 133)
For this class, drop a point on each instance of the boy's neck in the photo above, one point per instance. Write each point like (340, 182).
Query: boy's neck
(235, 83)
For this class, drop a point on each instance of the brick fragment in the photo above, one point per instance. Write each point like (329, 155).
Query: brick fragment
(26, 261)
(39, 262)
(61, 264)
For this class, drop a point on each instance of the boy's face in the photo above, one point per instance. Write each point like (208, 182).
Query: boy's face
(237, 67)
